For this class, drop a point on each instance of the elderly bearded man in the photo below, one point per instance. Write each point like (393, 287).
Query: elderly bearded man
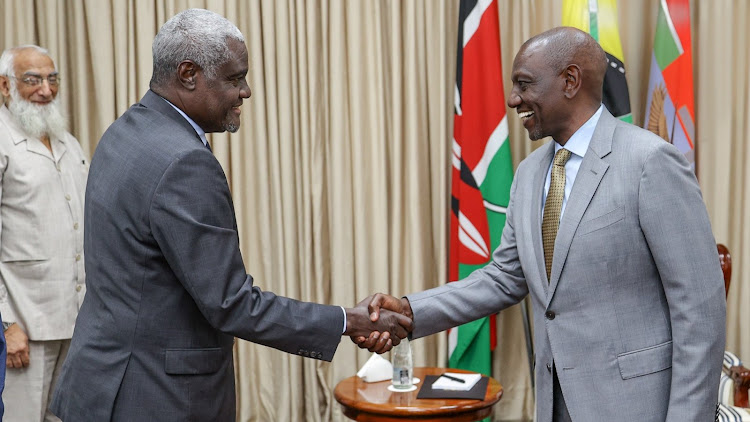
(41, 210)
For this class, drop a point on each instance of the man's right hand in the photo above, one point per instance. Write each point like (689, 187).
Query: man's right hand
(377, 303)
(383, 301)
(18, 347)
(382, 332)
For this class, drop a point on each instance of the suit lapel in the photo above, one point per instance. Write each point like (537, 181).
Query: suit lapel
(59, 148)
(37, 147)
(590, 174)
(536, 210)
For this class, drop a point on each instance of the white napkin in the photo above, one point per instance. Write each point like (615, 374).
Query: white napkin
(376, 369)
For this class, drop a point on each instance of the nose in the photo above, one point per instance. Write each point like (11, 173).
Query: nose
(245, 91)
(514, 100)
(45, 89)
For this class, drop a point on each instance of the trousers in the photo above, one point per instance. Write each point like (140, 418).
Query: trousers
(559, 408)
(27, 390)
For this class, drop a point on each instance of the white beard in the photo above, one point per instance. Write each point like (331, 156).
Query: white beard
(37, 120)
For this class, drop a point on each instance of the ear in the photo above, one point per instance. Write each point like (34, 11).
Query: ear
(187, 72)
(573, 82)
(5, 86)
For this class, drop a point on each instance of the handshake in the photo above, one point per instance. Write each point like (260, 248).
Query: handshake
(379, 322)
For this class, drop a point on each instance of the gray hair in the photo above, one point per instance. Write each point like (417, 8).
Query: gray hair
(7, 60)
(194, 34)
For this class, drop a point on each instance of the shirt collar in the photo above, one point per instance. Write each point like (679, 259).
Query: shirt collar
(201, 133)
(579, 142)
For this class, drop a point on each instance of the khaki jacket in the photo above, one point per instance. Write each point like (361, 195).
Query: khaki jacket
(41, 231)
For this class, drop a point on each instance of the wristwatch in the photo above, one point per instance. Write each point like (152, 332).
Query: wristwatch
(7, 325)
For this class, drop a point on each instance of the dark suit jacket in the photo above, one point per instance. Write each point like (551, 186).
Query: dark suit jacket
(167, 287)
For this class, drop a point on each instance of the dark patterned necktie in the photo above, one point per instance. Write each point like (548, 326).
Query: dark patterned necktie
(553, 207)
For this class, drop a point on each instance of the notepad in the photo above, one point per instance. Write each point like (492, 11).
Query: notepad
(443, 383)
(477, 393)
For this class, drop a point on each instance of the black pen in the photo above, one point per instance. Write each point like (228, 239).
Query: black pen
(453, 378)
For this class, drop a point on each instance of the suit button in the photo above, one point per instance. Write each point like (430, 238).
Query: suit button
(549, 315)
(549, 368)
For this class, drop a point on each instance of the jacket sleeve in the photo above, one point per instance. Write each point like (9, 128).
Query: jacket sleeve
(676, 226)
(496, 286)
(192, 219)
(6, 309)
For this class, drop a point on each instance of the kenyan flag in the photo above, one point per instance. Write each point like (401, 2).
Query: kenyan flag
(482, 169)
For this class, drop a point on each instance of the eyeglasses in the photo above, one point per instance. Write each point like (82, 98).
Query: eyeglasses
(35, 80)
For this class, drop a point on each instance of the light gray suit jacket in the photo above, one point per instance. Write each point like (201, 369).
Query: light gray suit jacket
(167, 287)
(634, 314)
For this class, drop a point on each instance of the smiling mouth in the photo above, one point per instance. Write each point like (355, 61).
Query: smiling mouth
(525, 115)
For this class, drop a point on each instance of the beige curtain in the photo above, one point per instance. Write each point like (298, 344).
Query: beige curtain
(340, 172)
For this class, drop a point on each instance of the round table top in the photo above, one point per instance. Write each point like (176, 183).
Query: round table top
(371, 402)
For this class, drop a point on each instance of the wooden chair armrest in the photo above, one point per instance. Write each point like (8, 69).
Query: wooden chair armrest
(741, 377)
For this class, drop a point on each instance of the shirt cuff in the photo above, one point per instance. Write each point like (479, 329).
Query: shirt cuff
(6, 313)
(344, 311)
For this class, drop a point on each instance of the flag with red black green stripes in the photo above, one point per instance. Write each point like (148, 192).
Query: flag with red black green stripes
(482, 169)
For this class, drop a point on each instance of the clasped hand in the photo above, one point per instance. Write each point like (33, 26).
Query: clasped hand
(18, 347)
(379, 322)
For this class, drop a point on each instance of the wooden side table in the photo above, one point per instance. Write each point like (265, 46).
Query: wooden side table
(373, 402)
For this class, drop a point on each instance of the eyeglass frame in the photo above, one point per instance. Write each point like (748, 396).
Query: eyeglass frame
(38, 79)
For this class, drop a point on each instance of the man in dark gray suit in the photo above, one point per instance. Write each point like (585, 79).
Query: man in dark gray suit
(629, 307)
(167, 287)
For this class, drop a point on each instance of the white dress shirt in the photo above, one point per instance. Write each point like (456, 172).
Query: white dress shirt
(201, 133)
(577, 145)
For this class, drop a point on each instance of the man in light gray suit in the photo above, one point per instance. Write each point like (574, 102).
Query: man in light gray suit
(167, 287)
(629, 313)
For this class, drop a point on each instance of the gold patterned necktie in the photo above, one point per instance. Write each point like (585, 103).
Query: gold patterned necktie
(553, 207)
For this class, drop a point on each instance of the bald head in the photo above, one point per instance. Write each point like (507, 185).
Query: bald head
(564, 46)
(557, 82)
